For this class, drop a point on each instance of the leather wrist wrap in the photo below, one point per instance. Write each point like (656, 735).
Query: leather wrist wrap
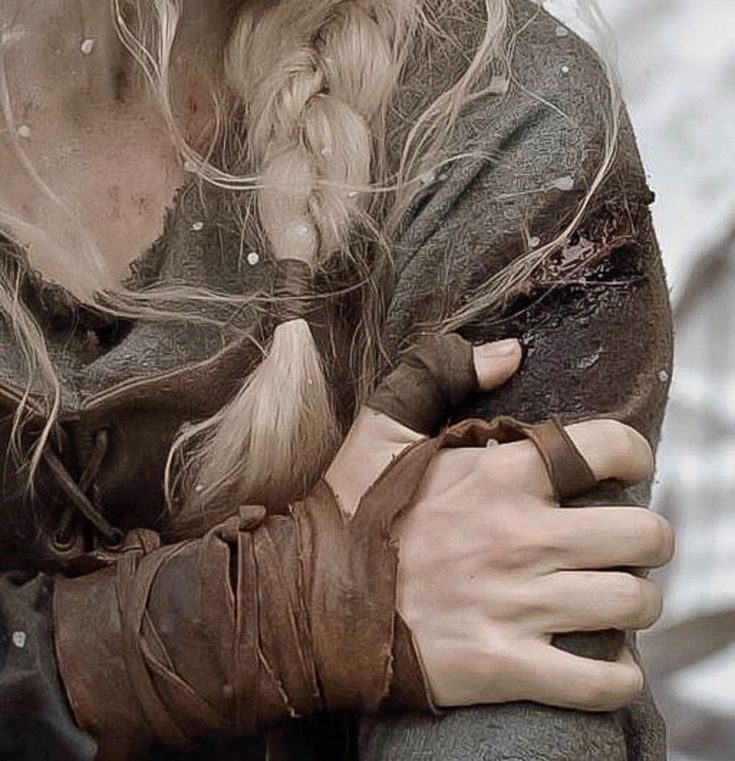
(258, 621)
(262, 619)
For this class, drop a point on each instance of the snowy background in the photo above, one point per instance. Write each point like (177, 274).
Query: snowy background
(677, 67)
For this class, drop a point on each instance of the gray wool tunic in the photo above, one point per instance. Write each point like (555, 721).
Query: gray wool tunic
(594, 320)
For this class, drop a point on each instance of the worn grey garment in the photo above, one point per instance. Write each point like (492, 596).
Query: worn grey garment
(598, 341)
(595, 321)
(34, 716)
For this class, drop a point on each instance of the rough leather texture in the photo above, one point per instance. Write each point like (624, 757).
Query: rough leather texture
(261, 620)
(257, 622)
(432, 379)
(595, 323)
(569, 472)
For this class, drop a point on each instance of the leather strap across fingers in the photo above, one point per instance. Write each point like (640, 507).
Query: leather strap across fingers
(568, 470)
(262, 619)
(569, 473)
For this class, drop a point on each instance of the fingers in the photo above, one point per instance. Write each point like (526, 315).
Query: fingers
(412, 400)
(607, 537)
(612, 450)
(596, 600)
(558, 678)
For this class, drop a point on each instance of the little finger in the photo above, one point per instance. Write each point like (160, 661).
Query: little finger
(555, 677)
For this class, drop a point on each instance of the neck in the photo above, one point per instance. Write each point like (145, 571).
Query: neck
(81, 123)
(70, 62)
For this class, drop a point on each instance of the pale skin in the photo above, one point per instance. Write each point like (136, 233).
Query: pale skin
(68, 110)
(490, 567)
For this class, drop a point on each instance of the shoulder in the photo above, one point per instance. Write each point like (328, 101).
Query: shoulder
(561, 114)
(549, 64)
(533, 150)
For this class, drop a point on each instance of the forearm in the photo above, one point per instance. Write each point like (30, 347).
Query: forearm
(262, 619)
(297, 613)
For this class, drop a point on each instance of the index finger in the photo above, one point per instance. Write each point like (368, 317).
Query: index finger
(437, 375)
(612, 450)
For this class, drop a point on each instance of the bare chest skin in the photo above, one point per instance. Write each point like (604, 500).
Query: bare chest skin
(87, 165)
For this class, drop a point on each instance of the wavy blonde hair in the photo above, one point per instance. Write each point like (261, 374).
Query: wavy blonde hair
(311, 82)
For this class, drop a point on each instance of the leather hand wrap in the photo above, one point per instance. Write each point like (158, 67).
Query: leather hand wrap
(264, 618)
(432, 379)
(258, 621)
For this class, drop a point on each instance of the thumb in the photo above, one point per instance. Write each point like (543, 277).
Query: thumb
(496, 362)
(416, 397)
(438, 375)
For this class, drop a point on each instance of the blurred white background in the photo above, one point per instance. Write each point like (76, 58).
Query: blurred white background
(677, 66)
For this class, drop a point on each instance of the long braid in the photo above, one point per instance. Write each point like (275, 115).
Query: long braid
(315, 80)
(355, 49)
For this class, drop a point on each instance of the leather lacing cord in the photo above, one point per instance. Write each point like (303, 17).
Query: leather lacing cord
(77, 495)
(292, 290)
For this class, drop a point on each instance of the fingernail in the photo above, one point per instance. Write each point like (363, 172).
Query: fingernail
(498, 349)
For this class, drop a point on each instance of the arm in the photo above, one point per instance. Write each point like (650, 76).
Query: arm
(265, 618)
(595, 318)
(599, 344)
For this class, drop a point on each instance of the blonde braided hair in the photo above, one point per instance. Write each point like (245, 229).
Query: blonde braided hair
(315, 81)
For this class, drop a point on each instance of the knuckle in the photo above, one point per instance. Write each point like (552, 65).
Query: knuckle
(499, 462)
(491, 461)
(513, 550)
(549, 547)
(456, 467)
(660, 537)
(532, 542)
(629, 596)
(520, 547)
(512, 466)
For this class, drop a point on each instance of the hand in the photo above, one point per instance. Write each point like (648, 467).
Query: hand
(491, 568)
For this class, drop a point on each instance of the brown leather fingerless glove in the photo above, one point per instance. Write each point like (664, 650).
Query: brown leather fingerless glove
(261, 619)
(258, 621)
(264, 619)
